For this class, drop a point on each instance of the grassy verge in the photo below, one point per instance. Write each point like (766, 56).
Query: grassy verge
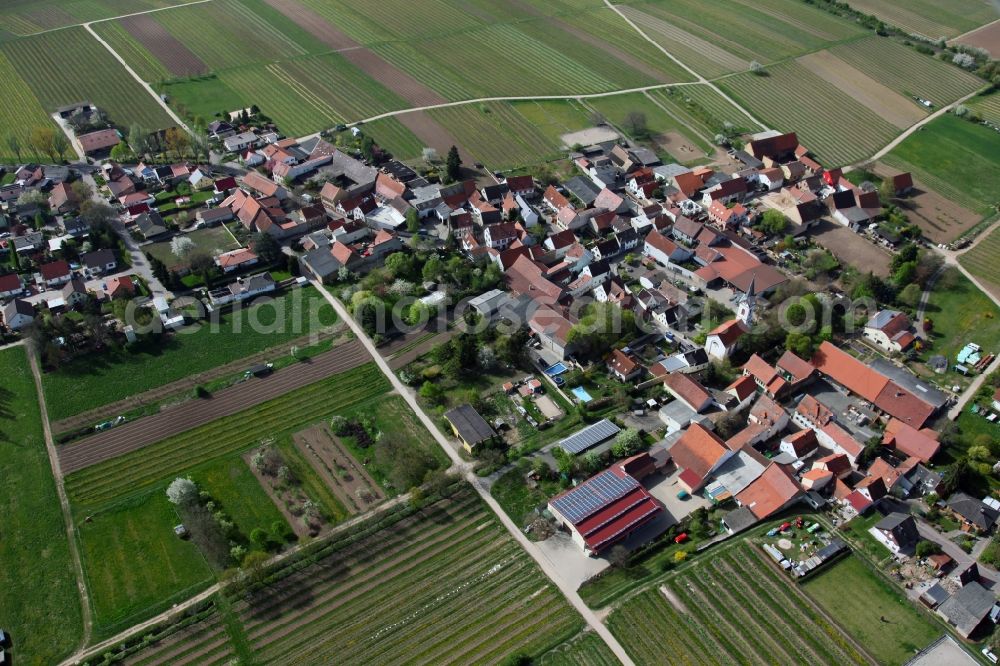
(40, 605)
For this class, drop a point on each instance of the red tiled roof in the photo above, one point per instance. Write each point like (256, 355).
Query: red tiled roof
(743, 387)
(849, 372)
(235, 257)
(698, 450)
(843, 439)
(858, 502)
(769, 492)
(622, 363)
(837, 463)
(257, 182)
(117, 286)
(54, 269)
(794, 366)
(661, 242)
(688, 390)
(729, 332)
(921, 444)
(10, 282)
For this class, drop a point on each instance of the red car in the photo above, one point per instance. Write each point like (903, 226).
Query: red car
(681, 538)
(785, 527)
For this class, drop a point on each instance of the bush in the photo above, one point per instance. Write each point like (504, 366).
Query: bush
(926, 548)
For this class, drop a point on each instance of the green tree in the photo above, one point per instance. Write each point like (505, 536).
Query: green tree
(905, 274)
(453, 165)
(60, 144)
(773, 222)
(910, 295)
(14, 145)
(43, 140)
(267, 249)
(627, 443)
(412, 220)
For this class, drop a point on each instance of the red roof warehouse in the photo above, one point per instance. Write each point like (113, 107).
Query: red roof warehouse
(605, 509)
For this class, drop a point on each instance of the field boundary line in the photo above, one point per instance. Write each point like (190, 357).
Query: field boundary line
(969, 32)
(116, 18)
(700, 79)
(50, 448)
(678, 118)
(159, 100)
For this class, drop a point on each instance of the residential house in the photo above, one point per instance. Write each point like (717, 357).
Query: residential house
(213, 217)
(771, 492)
(689, 391)
(500, 236)
(151, 225)
(890, 330)
(975, 516)
(119, 287)
(238, 143)
(99, 262)
(698, 453)
(800, 444)
(728, 217)
(235, 260)
(970, 610)
(10, 285)
(99, 142)
(623, 366)
(17, 314)
(663, 250)
(552, 329)
(62, 199)
(55, 274)
(920, 444)
(469, 426)
(242, 289)
(264, 187)
(74, 293)
(897, 532)
(902, 184)
(721, 340)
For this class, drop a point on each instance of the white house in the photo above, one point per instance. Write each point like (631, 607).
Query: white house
(17, 314)
(890, 330)
(237, 143)
(664, 251)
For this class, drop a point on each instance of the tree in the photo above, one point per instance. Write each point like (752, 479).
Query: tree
(60, 144)
(182, 492)
(177, 141)
(910, 295)
(618, 556)
(181, 247)
(412, 220)
(429, 155)
(453, 165)
(368, 148)
(773, 222)
(267, 249)
(757, 68)
(635, 124)
(926, 548)
(138, 138)
(43, 141)
(82, 190)
(627, 443)
(905, 274)
(14, 145)
(800, 343)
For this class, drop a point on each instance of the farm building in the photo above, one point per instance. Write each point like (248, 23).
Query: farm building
(604, 510)
(469, 426)
(98, 142)
(589, 437)
(969, 609)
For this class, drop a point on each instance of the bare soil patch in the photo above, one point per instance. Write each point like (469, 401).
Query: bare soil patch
(679, 146)
(349, 481)
(852, 248)
(177, 58)
(548, 407)
(143, 432)
(940, 219)
(589, 136)
(987, 37)
(887, 103)
(673, 599)
(367, 61)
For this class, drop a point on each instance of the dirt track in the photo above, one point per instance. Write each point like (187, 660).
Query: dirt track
(138, 434)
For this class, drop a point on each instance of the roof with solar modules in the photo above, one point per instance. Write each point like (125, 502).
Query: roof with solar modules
(605, 509)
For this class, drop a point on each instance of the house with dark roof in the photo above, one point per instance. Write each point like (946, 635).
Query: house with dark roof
(469, 426)
(55, 273)
(605, 509)
(99, 262)
(151, 225)
(897, 532)
(974, 515)
(17, 314)
(99, 142)
(10, 285)
(969, 610)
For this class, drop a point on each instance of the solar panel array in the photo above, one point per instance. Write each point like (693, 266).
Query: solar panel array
(593, 495)
(590, 436)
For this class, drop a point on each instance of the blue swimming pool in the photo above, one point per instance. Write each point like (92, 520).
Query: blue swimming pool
(582, 395)
(556, 369)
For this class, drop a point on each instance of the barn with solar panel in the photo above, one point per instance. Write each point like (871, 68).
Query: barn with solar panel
(605, 509)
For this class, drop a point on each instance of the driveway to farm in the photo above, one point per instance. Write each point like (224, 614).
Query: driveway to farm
(151, 429)
(547, 566)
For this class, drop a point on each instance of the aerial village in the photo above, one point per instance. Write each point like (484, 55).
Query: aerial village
(654, 379)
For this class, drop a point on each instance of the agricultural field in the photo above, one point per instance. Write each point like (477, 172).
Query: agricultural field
(69, 66)
(733, 606)
(930, 18)
(664, 132)
(983, 261)
(954, 157)
(986, 106)
(19, 114)
(35, 561)
(725, 34)
(587, 649)
(875, 613)
(554, 118)
(447, 585)
(717, 107)
(838, 129)
(908, 71)
(497, 135)
(99, 379)
(392, 135)
(26, 17)
(961, 313)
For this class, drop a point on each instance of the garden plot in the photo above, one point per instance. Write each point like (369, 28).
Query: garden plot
(445, 585)
(349, 481)
(940, 219)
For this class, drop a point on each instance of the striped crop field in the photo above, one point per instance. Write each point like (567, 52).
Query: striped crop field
(834, 126)
(370, 21)
(587, 649)
(733, 607)
(70, 66)
(447, 585)
(616, 109)
(716, 106)
(986, 106)
(138, 57)
(202, 639)
(20, 111)
(983, 261)
(26, 17)
(395, 137)
(930, 18)
(554, 118)
(136, 472)
(497, 135)
(907, 71)
(727, 31)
